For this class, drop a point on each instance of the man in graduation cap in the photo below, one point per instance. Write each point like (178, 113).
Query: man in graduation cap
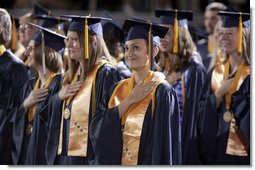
(136, 122)
(225, 98)
(186, 74)
(13, 75)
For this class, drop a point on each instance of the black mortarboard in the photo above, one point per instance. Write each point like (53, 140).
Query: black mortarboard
(94, 25)
(168, 16)
(233, 18)
(40, 10)
(177, 18)
(86, 24)
(138, 29)
(48, 38)
(110, 27)
(51, 38)
(50, 21)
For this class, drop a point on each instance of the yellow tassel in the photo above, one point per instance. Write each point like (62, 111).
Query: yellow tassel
(175, 48)
(240, 40)
(149, 49)
(86, 38)
(14, 36)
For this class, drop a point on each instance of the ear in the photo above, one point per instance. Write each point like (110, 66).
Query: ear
(93, 40)
(155, 51)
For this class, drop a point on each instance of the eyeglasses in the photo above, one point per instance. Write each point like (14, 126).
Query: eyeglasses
(23, 27)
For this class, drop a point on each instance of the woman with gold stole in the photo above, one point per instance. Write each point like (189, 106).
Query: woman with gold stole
(32, 118)
(88, 78)
(136, 123)
(185, 73)
(225, 98)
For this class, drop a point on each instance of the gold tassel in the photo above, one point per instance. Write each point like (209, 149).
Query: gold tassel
(175, 48)
(86, 38)
(14, 36)
(149, 42)
(240, 47)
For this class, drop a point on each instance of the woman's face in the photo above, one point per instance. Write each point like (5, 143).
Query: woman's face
(136, 53)
(26, 32)
(229, 39)
(73, 45)
(31, 55)
(166, 43)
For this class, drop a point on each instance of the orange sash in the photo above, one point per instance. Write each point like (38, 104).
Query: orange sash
(79, 121)
(133, 118)
(2, 50)
(31, 112)
(236, 144)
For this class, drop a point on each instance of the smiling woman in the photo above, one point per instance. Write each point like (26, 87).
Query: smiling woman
(137, 120)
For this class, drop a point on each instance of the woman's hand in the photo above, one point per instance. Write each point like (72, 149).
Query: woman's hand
(69, 90)
(173, 77)
(35, 97)
(223, 89)
(136, 95)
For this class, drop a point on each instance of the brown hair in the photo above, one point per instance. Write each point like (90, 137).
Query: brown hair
(95, 52)
(186, 50)
(53, 60)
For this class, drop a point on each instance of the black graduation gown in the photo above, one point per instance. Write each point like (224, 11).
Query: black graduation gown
(160, 141)
(196, 77)
(106, 77)
(214, 131)
(13, 75)
(30, 148)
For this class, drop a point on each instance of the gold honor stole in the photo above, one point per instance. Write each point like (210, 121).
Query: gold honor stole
(31, 112)
(2, 50)
(236, 144)
(134, 117)
(79, 121)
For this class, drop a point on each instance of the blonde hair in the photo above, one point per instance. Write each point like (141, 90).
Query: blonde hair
(246, 47)
(217, 50)
(186, 50)
(96, 51)
(53, 60)
(6, 26)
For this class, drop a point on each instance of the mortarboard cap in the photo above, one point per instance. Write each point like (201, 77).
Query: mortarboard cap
(40, 10)
(233, 18)
(176, 18)
(50, 21)
(86, 24)
(94, 25)
(138, 29)
(51, 38)
(48, 38)
(168, 16)
(110, 27)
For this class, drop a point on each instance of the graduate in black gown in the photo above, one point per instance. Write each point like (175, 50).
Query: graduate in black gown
(13, 75)
(32, 119)
(225, 98)
(185, 74)
(89, 77)
(136, 122)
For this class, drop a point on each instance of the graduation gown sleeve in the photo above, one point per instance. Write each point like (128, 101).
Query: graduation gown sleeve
(160, 141)
(13, 75)
(195, 79)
